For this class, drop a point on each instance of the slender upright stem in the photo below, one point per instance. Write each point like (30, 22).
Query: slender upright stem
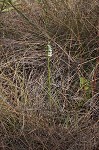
(49, 82)
(49, 54)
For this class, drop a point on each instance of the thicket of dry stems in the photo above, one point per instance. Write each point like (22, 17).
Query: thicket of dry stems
(26, 120)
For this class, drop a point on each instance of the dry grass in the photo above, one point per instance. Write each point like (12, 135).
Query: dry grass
(26, 119)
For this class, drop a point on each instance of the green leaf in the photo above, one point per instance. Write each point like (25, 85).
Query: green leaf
(84, 83)
(85, 86)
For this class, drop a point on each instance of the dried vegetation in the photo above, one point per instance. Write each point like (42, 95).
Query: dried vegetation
(27, 120)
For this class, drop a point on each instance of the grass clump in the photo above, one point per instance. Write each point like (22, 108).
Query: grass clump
(46, 99)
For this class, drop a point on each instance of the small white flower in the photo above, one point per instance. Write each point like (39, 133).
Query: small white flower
(49, 50)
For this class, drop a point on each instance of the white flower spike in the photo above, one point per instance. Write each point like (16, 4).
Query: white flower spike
(49, 50)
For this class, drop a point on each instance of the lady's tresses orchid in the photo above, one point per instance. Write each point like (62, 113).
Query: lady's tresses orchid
(49, 50)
